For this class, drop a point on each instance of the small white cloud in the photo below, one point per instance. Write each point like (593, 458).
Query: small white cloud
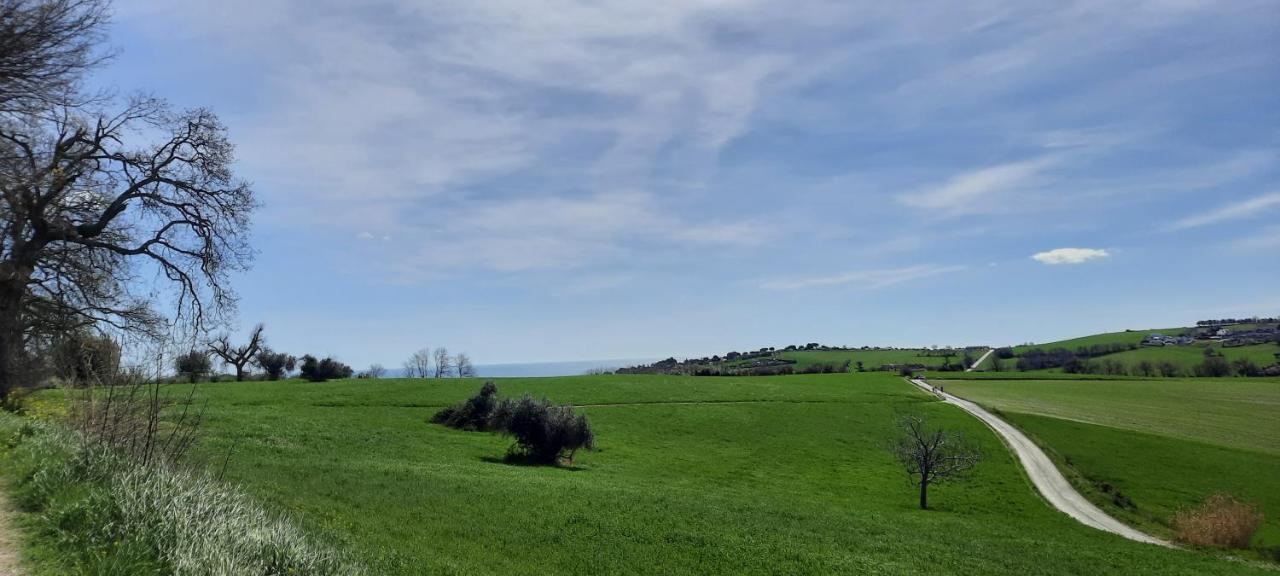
(366, 235)
(1069, 255)
(864, 279)
(1243, 209)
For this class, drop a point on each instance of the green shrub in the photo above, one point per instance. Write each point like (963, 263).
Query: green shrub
(1213, 366)
(321, 370)
(473, 413)
(544, 432)
(193, 365)
(275, 364)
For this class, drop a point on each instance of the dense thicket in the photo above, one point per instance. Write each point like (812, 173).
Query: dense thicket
(473, 413)
(544, 433)
(193, 365)
(1038, 358)
(319, 370)
(275, 364)
(84, 358)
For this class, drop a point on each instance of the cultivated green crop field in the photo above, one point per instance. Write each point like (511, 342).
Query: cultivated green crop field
(1232, 412)
(1166, 444)
(763, 475)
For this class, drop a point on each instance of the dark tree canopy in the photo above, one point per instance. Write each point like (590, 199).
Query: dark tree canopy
(193, 365)
(83, 213)
(275, 364)
(45, 48)
(103, 207)
(319, 370)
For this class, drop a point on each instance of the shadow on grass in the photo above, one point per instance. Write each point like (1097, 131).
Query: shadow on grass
(527, 462)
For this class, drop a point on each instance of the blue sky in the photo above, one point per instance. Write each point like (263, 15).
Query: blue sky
(532, 181)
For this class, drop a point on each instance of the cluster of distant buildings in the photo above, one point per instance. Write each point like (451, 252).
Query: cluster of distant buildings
(1158, 339)
(1227, 337)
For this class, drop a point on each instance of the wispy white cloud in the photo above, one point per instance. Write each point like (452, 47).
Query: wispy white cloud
(982, 190)
(425, 119)
(862, 279)
(569, 232)
(1234, 211)
(1069, 255)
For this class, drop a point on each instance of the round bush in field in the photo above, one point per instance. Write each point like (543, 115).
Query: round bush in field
(544, 432)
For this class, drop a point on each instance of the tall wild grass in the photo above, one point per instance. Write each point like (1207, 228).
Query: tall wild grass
(117, 503)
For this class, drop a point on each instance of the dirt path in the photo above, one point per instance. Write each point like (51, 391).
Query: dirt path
(1044, 475)
(981, 359)
(9, 551)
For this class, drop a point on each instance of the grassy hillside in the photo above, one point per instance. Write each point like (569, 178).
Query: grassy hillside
(871, 359)
(1260, 354)
(694, 476)
(1125, 337)
(1164, 444)
(1185, 357)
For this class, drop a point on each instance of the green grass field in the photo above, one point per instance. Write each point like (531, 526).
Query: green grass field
(781, 475)
(871, 359)
(1164, 443)
(1189, 356)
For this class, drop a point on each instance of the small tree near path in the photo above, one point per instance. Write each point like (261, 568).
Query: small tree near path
(931, 455)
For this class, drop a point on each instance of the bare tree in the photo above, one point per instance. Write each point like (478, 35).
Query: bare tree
(46, 46)
(375, 371)
(237, 356)
(419, 364)
(444, 362)
(81, 211)
(463, 363)
(931, 455)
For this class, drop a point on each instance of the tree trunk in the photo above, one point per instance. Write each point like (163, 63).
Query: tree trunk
(11, 361)
(924, 495)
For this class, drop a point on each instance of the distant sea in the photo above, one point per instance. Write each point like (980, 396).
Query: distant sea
(554, 368)
(533, 369)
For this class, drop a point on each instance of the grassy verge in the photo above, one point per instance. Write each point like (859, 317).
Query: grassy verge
(90, 511)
